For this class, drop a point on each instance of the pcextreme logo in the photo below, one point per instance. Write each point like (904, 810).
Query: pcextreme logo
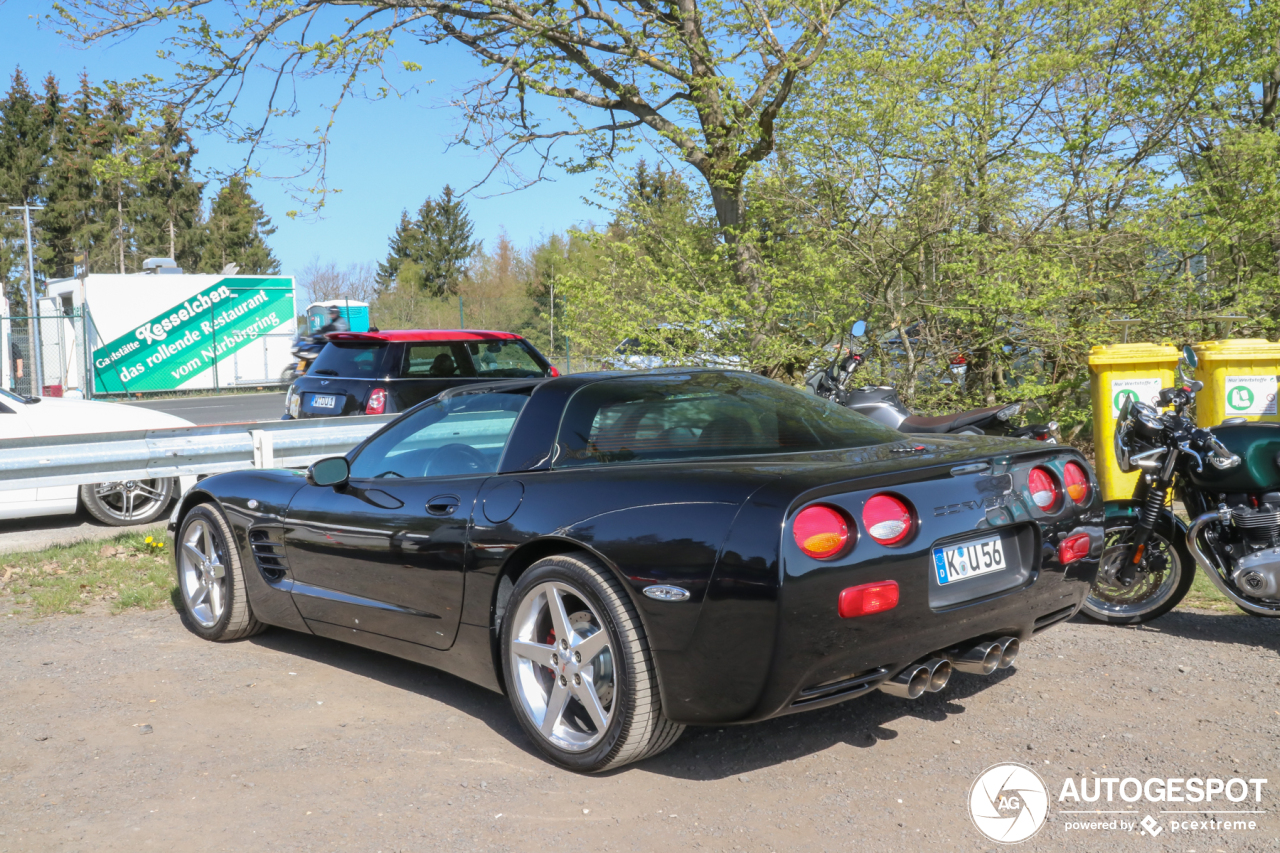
(1008, 803)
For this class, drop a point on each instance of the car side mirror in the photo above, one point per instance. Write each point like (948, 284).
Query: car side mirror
(1189, 356)
(332, 471)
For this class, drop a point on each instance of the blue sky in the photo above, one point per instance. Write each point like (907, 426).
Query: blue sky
(386, 156)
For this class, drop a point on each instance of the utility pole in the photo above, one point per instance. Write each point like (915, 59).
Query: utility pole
(37, 375)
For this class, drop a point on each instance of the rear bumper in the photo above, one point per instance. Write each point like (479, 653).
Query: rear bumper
(820, 663)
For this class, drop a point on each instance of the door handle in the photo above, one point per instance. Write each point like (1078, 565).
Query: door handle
(442, 505)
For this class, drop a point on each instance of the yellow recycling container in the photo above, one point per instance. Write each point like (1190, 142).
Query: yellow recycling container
(1239, 380)
(1117, 371)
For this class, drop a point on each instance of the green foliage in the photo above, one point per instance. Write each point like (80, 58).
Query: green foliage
(236, 232)
(432, 250)
(116, 185)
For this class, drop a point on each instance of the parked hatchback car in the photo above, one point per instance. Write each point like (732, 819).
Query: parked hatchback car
(372, 373)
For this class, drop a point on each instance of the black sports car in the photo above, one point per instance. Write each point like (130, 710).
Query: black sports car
(625, 554)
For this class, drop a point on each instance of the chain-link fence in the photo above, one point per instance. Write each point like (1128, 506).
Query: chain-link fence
(61, 364)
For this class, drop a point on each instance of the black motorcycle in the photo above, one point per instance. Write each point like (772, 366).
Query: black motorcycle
(305, 349)
(881, 403)
(1150, 555)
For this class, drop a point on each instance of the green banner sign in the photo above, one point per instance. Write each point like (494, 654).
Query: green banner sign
(176, 346)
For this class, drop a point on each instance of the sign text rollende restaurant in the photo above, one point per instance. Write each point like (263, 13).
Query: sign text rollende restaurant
(175, 346)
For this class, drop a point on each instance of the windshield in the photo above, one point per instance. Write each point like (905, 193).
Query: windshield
(355, 360)
(455, 437)
(701, 415)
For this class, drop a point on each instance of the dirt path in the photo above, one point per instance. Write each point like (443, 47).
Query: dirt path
(292, 742)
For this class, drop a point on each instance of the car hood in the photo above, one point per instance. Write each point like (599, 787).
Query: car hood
(62, 416)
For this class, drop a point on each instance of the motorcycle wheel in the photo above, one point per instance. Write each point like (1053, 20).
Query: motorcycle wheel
(1153, 592)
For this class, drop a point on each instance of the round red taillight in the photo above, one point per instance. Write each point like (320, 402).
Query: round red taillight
(1044, 491)
(887, 519)
(1076, 482)
(821, 531)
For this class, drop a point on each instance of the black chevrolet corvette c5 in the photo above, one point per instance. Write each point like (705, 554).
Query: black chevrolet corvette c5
(625, 554)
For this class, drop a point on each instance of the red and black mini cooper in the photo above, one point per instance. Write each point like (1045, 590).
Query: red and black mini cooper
(374, 373)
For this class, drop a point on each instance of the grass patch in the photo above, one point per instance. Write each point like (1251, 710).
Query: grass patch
(1203, 595)
(134, 569)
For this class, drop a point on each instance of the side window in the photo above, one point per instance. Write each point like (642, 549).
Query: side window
(503, 359)
(442, 361)
(456, 437)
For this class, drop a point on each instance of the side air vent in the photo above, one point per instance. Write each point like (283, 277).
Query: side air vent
(268, 553)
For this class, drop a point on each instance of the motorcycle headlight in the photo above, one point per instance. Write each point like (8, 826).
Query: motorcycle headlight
(1008, 411)
(1120, 443)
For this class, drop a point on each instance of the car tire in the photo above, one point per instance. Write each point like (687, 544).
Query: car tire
(211, 583)
(541, 671)
(127, 502)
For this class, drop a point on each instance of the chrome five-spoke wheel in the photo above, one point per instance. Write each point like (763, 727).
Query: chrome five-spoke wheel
(577, 666)
(563, 663)
(203, 574)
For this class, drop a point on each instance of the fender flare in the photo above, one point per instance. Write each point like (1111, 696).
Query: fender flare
(1123, 510)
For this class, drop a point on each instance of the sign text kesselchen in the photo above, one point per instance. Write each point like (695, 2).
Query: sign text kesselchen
(173, 348)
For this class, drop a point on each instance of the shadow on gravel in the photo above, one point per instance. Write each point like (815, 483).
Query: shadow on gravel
(708, 753)
(490, 708)
(703, 753)
(1235, 629)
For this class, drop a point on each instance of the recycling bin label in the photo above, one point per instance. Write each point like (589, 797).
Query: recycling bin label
(1251, 395)
(1142, 391)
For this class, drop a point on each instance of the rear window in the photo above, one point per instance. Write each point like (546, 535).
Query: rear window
(356, 360)
(701, 415)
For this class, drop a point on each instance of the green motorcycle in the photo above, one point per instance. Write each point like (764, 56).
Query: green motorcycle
(1228, 478)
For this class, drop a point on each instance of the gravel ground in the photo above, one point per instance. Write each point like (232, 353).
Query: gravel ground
(130, 733)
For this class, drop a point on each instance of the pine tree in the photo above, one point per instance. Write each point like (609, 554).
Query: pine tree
(71, 222)
(437, 242)
(404, 245)
(167, 215)
(446, 243)
(25, 138)
(236, 233)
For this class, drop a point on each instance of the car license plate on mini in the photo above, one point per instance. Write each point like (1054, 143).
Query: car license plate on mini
(323, 401)
(967, 559)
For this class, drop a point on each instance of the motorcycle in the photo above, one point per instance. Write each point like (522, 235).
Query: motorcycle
(1150, 556)
(881, 403)
(305, 349)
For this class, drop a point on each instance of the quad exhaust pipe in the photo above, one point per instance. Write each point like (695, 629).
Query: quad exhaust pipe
(987, 656)
(931, 675)
(913, 682)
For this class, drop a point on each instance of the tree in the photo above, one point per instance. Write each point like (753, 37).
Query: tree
(168, 212)
(437, 242)
(236, 233)
(26, 131)
(71, 221)
(705, 82)
(404, 245)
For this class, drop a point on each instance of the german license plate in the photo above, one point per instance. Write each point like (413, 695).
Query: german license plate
(967, 559)
(324, 401)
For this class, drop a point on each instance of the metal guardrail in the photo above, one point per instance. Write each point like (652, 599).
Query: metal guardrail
(73, 460)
